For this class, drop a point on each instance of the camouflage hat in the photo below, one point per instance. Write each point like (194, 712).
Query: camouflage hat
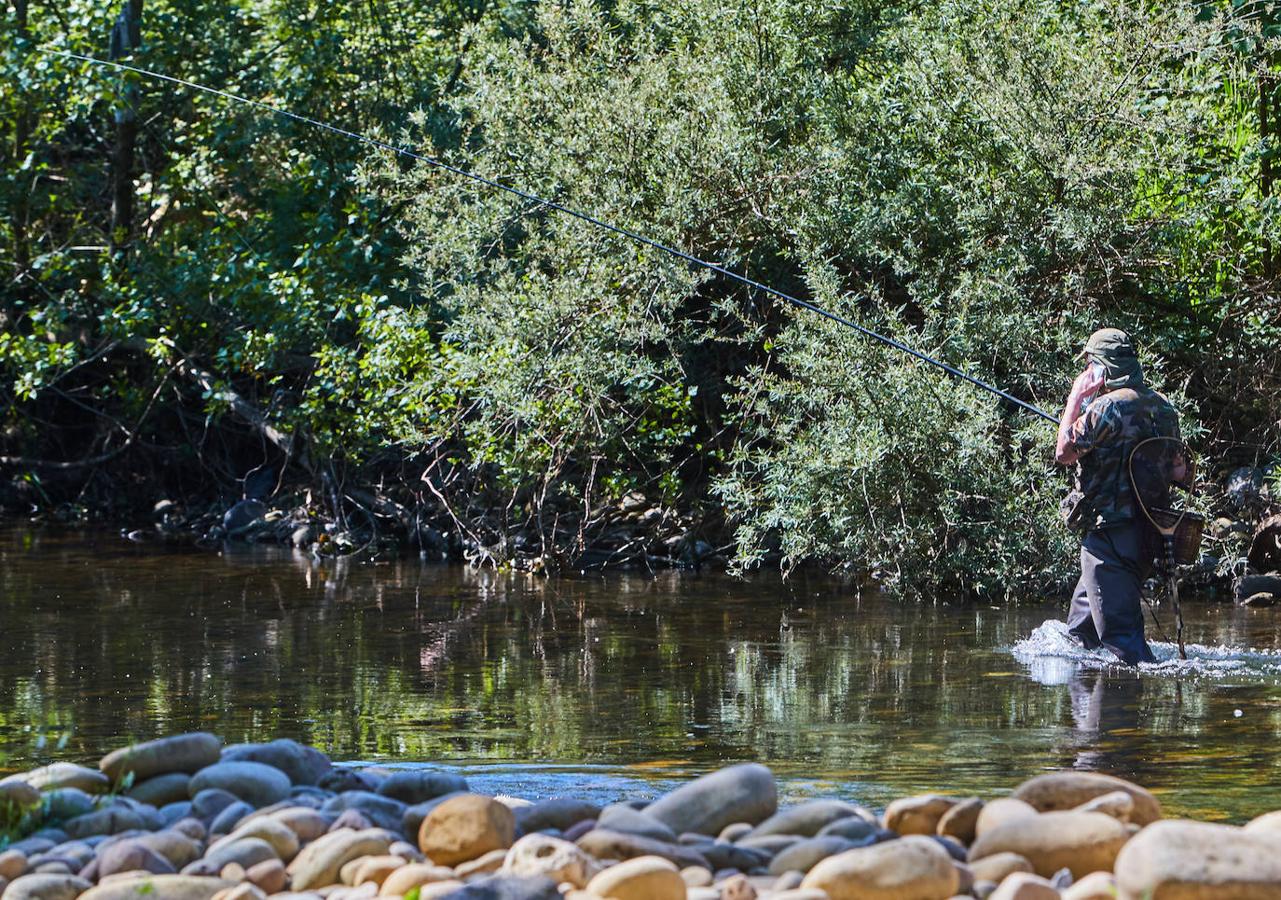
(1109, 343)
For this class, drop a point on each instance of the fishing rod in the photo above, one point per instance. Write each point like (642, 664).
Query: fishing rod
(569, 211)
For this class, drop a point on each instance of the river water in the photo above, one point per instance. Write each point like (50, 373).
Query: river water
(604, 686)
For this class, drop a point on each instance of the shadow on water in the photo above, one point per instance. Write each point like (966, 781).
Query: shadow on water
(606, 686)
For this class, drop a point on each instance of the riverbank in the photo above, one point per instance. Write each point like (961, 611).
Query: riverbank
(189, 818)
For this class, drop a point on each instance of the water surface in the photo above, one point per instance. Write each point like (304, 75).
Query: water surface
(613, 685)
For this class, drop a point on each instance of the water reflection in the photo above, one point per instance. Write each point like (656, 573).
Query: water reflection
(644, 676)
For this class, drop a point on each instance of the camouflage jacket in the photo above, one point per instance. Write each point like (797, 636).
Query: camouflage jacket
(1105, 435)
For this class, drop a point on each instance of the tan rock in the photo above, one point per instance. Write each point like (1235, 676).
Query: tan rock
(1270, 821)
(234, 872)
(1117, 804)
(1083, 842)
(158, 887)
(46, 886)
(1095, 886)
(482, 865)
(412, 875)
(277, 834)
(799, 894)
(694, 876)
(561, 861)
(912, 868)
(175, 846)
(13, 864)
(1067, 790)
(1025, 886)
(961, 820)
(268, 875)
(243, 891)
(916, 815)
(1182, 860)
(998, 866)
(407, 851)
(319, 863)
(1001, 812)
(465, 827)
(642, 878)
(439, 890)
(737, 887)
(307, 824)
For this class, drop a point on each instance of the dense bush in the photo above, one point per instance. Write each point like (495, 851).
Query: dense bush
(986, 181)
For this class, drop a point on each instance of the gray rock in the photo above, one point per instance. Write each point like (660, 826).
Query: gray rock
(743, 793)
(420, 786)
(150, 816)
(105, 821)
(227, 820)
(255, 783)
(180, 753)
(132, 855)
(854, 828)
(248, 851)
(724, 855)
(46, 887)
(558, 813)
(62, 775)
(383, 812)
(808, 819)
(605, 844)
(172, 812)
(303, 764)
(208, 803)
(805, 855)
(622, 817)
(161, 790)
(242, 515)
(307, 795)
(508, 887)
(341, 778)
(67, 803)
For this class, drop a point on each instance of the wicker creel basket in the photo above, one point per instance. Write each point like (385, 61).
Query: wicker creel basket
(1187, 535)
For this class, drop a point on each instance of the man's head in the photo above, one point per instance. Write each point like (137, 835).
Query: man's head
(1113, 349)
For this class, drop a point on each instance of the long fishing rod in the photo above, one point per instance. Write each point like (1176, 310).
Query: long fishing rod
(577, 214)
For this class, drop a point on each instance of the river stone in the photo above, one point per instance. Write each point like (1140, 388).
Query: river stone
(465, 827)
(1082, 842)
(961, 820)
(1025, 886)
(369, 869)
(132, 855)
(418, 786)
(208, 803)
(852, 828)
(111, 820)
(808, 819)
(307, 824)
(605, 844)
(1095, 886)
(344, 778)
(302, 764)
(178, 848)
(230, 817)
(283, 841)
(13, 864)
(158, 887)
(255, 783)
(773, 844)
(18, 793)
(558, 813)
(180, 753)
(1269, 821)
(245, 852)
(412, 875)
(269, 875)
(382, 812)
(46, 887)
(508, 887)
(916, 815)
(1000, 812)
(561, 861)
(805, 855)
(742, 793)
(1118, 804)
(996, 867)
(724, 855)
(643, 878)
(149, 815)
(62, 775)
(353, 819)
(160, 790)
(1065, 790)
(67, 803)
(487, 864)
(412, 820)
(624, 818)
(912, 868)
(318, 864)
(1197, 861)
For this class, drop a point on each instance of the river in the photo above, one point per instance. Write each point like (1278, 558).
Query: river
(605, 685)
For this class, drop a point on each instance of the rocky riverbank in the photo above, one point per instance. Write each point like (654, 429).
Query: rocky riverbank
(186, 818)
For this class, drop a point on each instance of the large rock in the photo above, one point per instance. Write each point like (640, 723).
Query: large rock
(112, 820)
(628, 820)
(743, 793)
(961, 821)
(63, 775)
(559, 813)
(917, 815)
(412, 875)
(302, 764)
(46, 887)
(507, 887)
(244, 852)
(1025, 886)
(180, 849)
(1002, 811)
(1066, 790)
(808, 819)
(255, 783)
(161, 790)
(133, 856)
(306, 824)
(206, 804)
(605, 844)
(180, 753)
(158, 887)
(805, 855)
(852, 828)
(319, 863)
(643, 878)
(412, 821)
(912, 868)
(383, 812)
(465, 827)
(419, 786)
(1182, 860)
(1082, 842)
(561, 861)
(284, 842)
(998, 866)
(67, 803)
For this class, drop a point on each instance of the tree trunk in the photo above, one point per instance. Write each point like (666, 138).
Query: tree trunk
(122, 158)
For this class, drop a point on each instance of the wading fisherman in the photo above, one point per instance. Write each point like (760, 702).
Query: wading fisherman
(1119, 544)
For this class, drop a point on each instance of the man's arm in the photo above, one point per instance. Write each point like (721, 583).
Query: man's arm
(1084, 387)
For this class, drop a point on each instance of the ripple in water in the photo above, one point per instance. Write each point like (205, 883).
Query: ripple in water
(1053, 654)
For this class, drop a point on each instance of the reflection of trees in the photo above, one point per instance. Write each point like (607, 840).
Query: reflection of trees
(426, 662)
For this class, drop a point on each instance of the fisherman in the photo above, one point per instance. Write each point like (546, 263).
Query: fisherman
(1119, 544)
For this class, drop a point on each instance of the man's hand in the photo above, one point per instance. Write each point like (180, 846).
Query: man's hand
(1086, 385)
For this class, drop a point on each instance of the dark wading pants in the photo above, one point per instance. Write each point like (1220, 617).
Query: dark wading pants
(1106, 609)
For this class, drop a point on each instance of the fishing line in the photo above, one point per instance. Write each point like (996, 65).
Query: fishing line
(577, 214)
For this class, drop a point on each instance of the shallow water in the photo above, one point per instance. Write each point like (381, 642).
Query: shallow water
(617, 685)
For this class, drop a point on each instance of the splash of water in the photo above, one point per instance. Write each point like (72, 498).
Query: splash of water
(1053, 654)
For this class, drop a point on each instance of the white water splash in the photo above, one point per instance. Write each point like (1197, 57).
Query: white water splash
(1053, 655)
